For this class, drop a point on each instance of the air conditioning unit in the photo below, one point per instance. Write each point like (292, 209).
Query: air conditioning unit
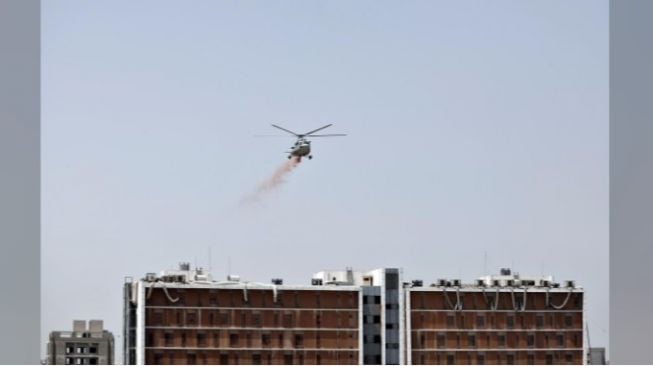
(234, 278)
(570, 284)
(496, 283)
(545, 283)
(442, 282)
(480, 283)
(555, 285)
(316, 281)
(277, 281)
(417, 283)
(150, 277)
(510, 283)
(455, 283)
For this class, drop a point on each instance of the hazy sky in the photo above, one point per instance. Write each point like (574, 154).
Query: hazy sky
(474, 127)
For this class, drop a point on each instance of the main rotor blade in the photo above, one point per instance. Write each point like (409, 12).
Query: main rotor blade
(284, 136)
(328, 135)
(283, 129)
(321, 128)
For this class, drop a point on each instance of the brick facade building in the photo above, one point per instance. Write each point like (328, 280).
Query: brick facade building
(346, 317)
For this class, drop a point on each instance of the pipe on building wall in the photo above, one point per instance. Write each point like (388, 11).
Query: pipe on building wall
(564, 303)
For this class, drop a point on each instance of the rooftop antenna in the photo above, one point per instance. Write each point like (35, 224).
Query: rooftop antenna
(210, 260)
(587, 330)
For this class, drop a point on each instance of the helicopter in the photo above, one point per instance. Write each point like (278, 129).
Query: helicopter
(302, 146)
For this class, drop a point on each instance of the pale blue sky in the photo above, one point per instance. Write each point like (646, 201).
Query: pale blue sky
(474, 127)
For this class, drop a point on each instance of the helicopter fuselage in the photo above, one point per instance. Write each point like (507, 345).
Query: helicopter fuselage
(301, 148)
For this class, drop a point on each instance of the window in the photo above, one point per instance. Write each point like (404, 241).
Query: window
(377, 300)
(569, 321)
(287, 320)
(569, 358)
(287, 359)
(233, 340)
(299, 341)
(191, 318)
(441, 340)
(549, 359)
(510, 359)
(530, 340)
(183, 339)
(480, 359)
(471, 340)
(256, 359)
(377, 339)
(265, 339)
(167, 337)
(539, 321)
(450, 320)
(256, 319)
(224, 359)
(480, 321)
(531, 359)
(501, 340)
(201, 340)
(510, 321)
(224, 318)
(450, 359)
(561, 340)
(158, 317)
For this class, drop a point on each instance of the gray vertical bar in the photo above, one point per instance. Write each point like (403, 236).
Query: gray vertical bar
(20, 105)
(631, 181)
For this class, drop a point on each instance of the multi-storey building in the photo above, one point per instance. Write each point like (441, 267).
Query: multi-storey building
(347, 317)
(82, 345)
(183, 317)
(504, 319)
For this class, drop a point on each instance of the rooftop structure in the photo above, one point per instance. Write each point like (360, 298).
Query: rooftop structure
(82, 345)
